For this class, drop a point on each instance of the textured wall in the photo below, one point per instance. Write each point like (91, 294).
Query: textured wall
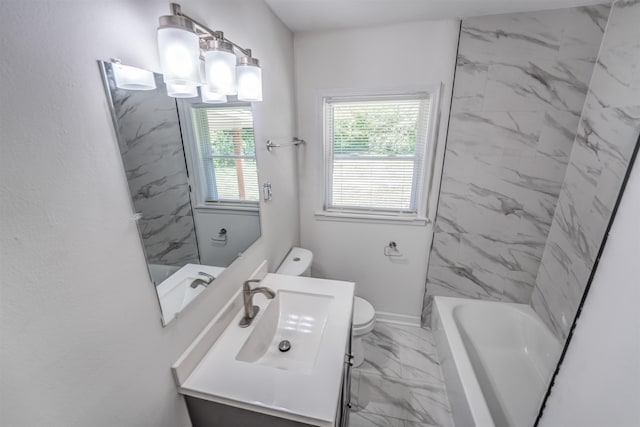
(82, 343)
(608, 131)
(520, 85)
(151, 147)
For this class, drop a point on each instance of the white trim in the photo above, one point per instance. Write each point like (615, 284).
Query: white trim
(397, 319)
(205, 210)
(210, 208)
(423, 185)
(376, 219)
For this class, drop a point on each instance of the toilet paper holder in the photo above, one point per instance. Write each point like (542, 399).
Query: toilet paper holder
(391, 250)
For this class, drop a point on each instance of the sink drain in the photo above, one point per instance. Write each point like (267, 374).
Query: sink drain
(284, 346)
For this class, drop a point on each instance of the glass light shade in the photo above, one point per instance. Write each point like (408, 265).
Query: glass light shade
(212, 97)
(179, 55)
(203, 77)
(249, 82)
(220, 68)
(132, 78)
(176, 90)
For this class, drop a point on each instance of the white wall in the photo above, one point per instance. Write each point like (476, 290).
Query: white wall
(405, 55)
(599, 381)
(81, 338)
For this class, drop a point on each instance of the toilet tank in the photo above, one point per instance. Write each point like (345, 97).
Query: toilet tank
(297, 263)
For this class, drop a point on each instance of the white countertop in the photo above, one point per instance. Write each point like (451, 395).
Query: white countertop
(310, 398)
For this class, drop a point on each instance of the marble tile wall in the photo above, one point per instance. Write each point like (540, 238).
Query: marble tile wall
(520, 85)
(152, 154)
(607, 134)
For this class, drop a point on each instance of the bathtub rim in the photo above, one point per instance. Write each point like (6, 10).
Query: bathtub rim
(466, 376)
(444, 312)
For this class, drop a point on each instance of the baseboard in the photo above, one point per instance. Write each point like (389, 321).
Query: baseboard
(398, 319)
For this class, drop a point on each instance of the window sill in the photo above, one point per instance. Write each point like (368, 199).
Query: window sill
(226, 208)
(372, 219)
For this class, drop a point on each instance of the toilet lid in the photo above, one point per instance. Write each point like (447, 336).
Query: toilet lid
(363, 312)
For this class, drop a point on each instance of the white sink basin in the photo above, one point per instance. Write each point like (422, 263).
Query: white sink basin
(296, 317)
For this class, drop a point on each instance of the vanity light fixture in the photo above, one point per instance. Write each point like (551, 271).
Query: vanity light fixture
(249, 79)
(132, 78)
(220, 67)
(229, 69)
(212, 97)
(179, 48)
(178, 90)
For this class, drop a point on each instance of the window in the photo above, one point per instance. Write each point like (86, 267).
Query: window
(224, 140)
(376, 149)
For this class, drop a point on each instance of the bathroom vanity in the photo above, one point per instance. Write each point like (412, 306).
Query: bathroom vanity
(233, 376)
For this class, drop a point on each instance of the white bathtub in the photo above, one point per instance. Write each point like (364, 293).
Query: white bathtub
(497, 359)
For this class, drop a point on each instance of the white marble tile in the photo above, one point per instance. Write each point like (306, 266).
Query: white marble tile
(494, 133)
(474, 282)
(503, 255)
(363, 419)
(355, 385)
(583, 29)
(616, 78)
(623, 24)
(418, 396)
(169, 239)
(378, 362)
(538, 86)
(416, 424)
(468, 92)
(446, 249)
(428, 404)
(498, 38)
(384, 396)
(558, 133)
(611, 133)
(164, 196)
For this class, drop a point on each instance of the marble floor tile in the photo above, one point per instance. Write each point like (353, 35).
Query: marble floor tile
(428, 403)
(384, 396)
(414, 424)
(381, 355)
(400, 383)
(362, 419)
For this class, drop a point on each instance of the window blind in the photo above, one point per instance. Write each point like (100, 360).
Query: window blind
(227, 150)
(376, 152)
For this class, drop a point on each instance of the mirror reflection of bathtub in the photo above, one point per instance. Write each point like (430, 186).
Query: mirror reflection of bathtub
(192, 174)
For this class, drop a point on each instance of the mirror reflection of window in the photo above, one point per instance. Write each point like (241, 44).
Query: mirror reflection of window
(226, 147)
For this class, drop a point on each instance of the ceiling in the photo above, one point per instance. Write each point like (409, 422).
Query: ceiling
(315, 15)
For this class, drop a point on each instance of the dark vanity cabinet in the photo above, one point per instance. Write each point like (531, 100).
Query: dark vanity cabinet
(342, 418)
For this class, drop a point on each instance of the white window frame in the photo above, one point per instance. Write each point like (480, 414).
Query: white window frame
(423, 183)
(197, 178)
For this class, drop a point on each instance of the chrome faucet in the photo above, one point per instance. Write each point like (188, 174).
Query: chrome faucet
(199, 281)
(251, 310)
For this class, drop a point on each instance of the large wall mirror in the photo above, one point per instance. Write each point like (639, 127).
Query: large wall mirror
(192, 173)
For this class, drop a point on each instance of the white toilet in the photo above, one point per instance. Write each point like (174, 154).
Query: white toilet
(298, 263)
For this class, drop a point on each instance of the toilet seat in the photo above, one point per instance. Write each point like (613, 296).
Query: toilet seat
(364, 316)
